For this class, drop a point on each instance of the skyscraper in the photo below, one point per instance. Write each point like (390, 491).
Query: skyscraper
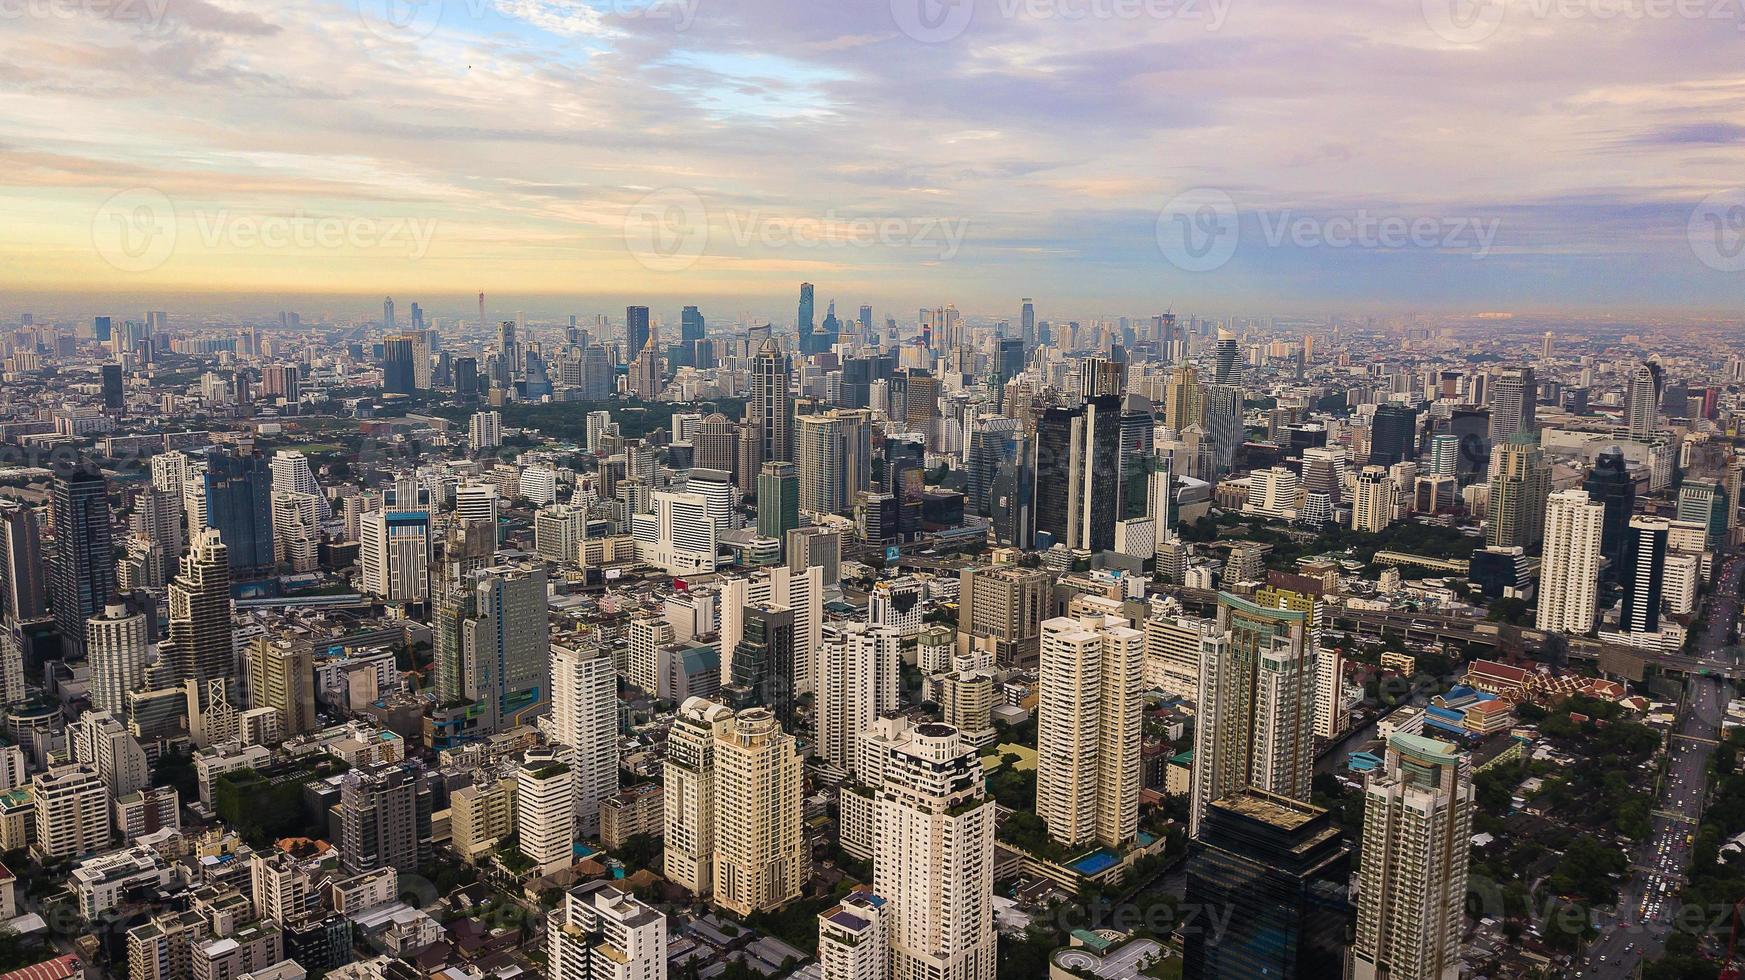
(384, 818)
(1078, 458)
(115, 646)
(82, 577)
(688, 778)
(584, 717)
(833, 452)
(933, 861)
(1520, 482)
(636, 331)
(1643, 575)
(399, 375)
(1393, 435)
(1229, 359)
(691, 325)
(804, 322)
(1514, 406)
(1412, 867)
(394, 552)
(1569, 575)
(1609, 482)
(545, 808)
(23, 590)
(1088, 729)
(200, 643)
(778, 500)
(506, 645)
(1375, 501)
(282, 677)
(763, 670)
(1280, 871)
(769, 406)
(1002, 608)
(1257, 705)
(760, 860)
(239, 506)
(1705, 502)
(1642, 394)
(1027, 323)
(858, 682)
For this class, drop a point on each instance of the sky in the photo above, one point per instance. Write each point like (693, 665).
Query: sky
(1459, 155)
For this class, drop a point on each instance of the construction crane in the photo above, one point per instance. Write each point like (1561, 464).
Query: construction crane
(1731, 970)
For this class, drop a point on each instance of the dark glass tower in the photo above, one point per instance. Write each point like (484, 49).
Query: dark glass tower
(239, 506)
(690, 325)
(398, 376)
(763, 663)
(1078, 467)
(635, 331)
(1282, 868)
(82, 575)
(1609, 483)
(1643, 574)
(1393, 435)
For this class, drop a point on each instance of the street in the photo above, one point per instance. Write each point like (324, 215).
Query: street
(1648, 901)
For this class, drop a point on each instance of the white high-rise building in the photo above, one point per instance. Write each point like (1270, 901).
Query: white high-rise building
(116, 645)
(1172, 651)
(1272, 493)
(934, 857)
(688, 782)
(538, 483)
(1329, 690)
(1256, 703)
(1642, 403)
(296, 529)
(477, 502)
(685, 539)
(485, 430)
(558, 532)
(72, 812)
(801, 592)
(1375, 502)
(648, 633)
(1569, 574)
(545, 810)
(584, 717)
(858, 680)
(854, 939)
(760, 859)
(1088, 729)
(394, 553)
(1412, 866)
(600, 932)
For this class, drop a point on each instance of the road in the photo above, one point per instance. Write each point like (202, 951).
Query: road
(1648, 901)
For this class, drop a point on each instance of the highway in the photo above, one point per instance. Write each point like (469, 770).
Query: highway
(1648, 902)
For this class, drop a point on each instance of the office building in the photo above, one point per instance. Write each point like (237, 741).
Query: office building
(23, 586)
(1282, 871)
(1643, 576)
(505, 645)
(239, 499)
(82, 577)
(1088, 729)
(1569, 574)
(1610, 483)
(394, 555)
(1642, 395)
(763, 668)
(1393, 435)
(200, 646)
(1078, 454)
(833, 452)
(281, 672)
(1002, 607)
(778, 500)
(1520, 483)
(760, 859)
(1705, 502)
(1412, 865)
(1514, 406)
(769, 406)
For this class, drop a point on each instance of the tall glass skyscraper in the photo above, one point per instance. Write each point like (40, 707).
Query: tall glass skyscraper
(82, 577)
(239, 506)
